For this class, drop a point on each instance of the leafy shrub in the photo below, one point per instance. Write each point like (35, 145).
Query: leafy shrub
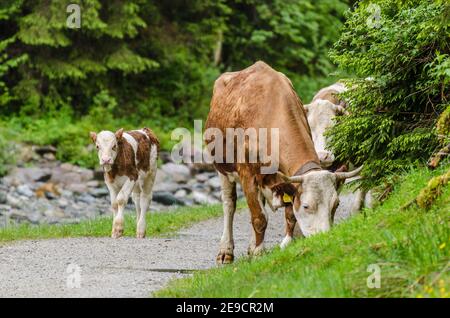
(401, 85)
(7, 154)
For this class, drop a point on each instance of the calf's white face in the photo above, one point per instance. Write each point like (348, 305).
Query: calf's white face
(107, 145)
(320, 117)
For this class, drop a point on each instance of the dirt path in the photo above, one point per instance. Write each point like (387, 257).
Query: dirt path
(122, 268)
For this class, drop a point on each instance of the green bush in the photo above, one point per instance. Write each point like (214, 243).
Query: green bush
(7, 155)
(400, 54)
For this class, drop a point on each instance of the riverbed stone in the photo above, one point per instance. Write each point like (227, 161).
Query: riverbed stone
(178, 172)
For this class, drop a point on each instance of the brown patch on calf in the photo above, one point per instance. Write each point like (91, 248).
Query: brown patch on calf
(124, 165)
(153, 139)
(144, 145)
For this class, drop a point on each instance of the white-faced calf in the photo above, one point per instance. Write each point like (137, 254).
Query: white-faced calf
(129, 163)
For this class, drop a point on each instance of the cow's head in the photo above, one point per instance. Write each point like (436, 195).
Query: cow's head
(320, 115)
(316, 199)
(107, 144)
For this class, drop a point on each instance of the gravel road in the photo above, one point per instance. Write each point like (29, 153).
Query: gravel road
(126, 267)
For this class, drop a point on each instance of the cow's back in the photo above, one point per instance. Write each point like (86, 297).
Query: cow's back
(260, 97)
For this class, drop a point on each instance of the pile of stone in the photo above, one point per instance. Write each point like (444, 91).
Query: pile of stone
(43, 190)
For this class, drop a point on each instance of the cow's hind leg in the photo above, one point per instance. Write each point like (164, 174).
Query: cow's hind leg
(145, 200)
(136, 196)
(290, 225)
(358, 202)
(259, 216)
(226, 252)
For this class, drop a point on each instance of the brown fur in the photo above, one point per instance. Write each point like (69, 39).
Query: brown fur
(260, 97)
(125, 161)
(281, 188)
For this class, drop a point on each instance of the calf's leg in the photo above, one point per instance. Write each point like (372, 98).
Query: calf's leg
(226, 251)
(121, 201)
(136, 196)
(113, 195)
(145, 200)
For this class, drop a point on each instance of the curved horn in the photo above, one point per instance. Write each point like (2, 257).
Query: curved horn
(283, 177)
(350, 174)
(294, 179)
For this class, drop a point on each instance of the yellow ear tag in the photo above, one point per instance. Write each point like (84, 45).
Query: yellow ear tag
(287, 198)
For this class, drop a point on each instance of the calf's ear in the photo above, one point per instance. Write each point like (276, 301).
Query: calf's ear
(93, 136)
(119, 134)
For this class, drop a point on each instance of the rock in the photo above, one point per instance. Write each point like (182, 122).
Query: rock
(54, 213)
(165, 156)
(202, 167)
(86, 174)
(43, 150)
(25, 190)
(18, 215)
(48, 190)
(93, 184)
(63, 203)
(78, 188)
(202, 177)
(180, 194)
(99, 192)
(178, 172)
(166, 187)
(4, 208)
(166, 198)
(202, 198)
(2, 197)
(13, 201)
(34, 217)
(50, 196)
(27, 154)
(27, 175)
(64, 177)
(87, 198)
(214, 182)
(49, 157)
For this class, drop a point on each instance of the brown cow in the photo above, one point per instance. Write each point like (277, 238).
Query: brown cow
(260, 97)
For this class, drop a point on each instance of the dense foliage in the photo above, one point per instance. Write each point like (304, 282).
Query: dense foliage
(399, 52)
(146, 62)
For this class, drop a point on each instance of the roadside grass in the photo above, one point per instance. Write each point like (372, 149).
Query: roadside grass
(410, 247)
(159, 223)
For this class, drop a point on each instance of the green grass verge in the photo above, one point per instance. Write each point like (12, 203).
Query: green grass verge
(157, 224)
(411, 248)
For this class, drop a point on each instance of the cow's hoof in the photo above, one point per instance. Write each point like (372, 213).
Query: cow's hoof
(225, 258)
(117, 232)
(286, 241)
(256, 250)
(140, 235)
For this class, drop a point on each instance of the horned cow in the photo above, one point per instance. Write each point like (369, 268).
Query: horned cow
(259, 96)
